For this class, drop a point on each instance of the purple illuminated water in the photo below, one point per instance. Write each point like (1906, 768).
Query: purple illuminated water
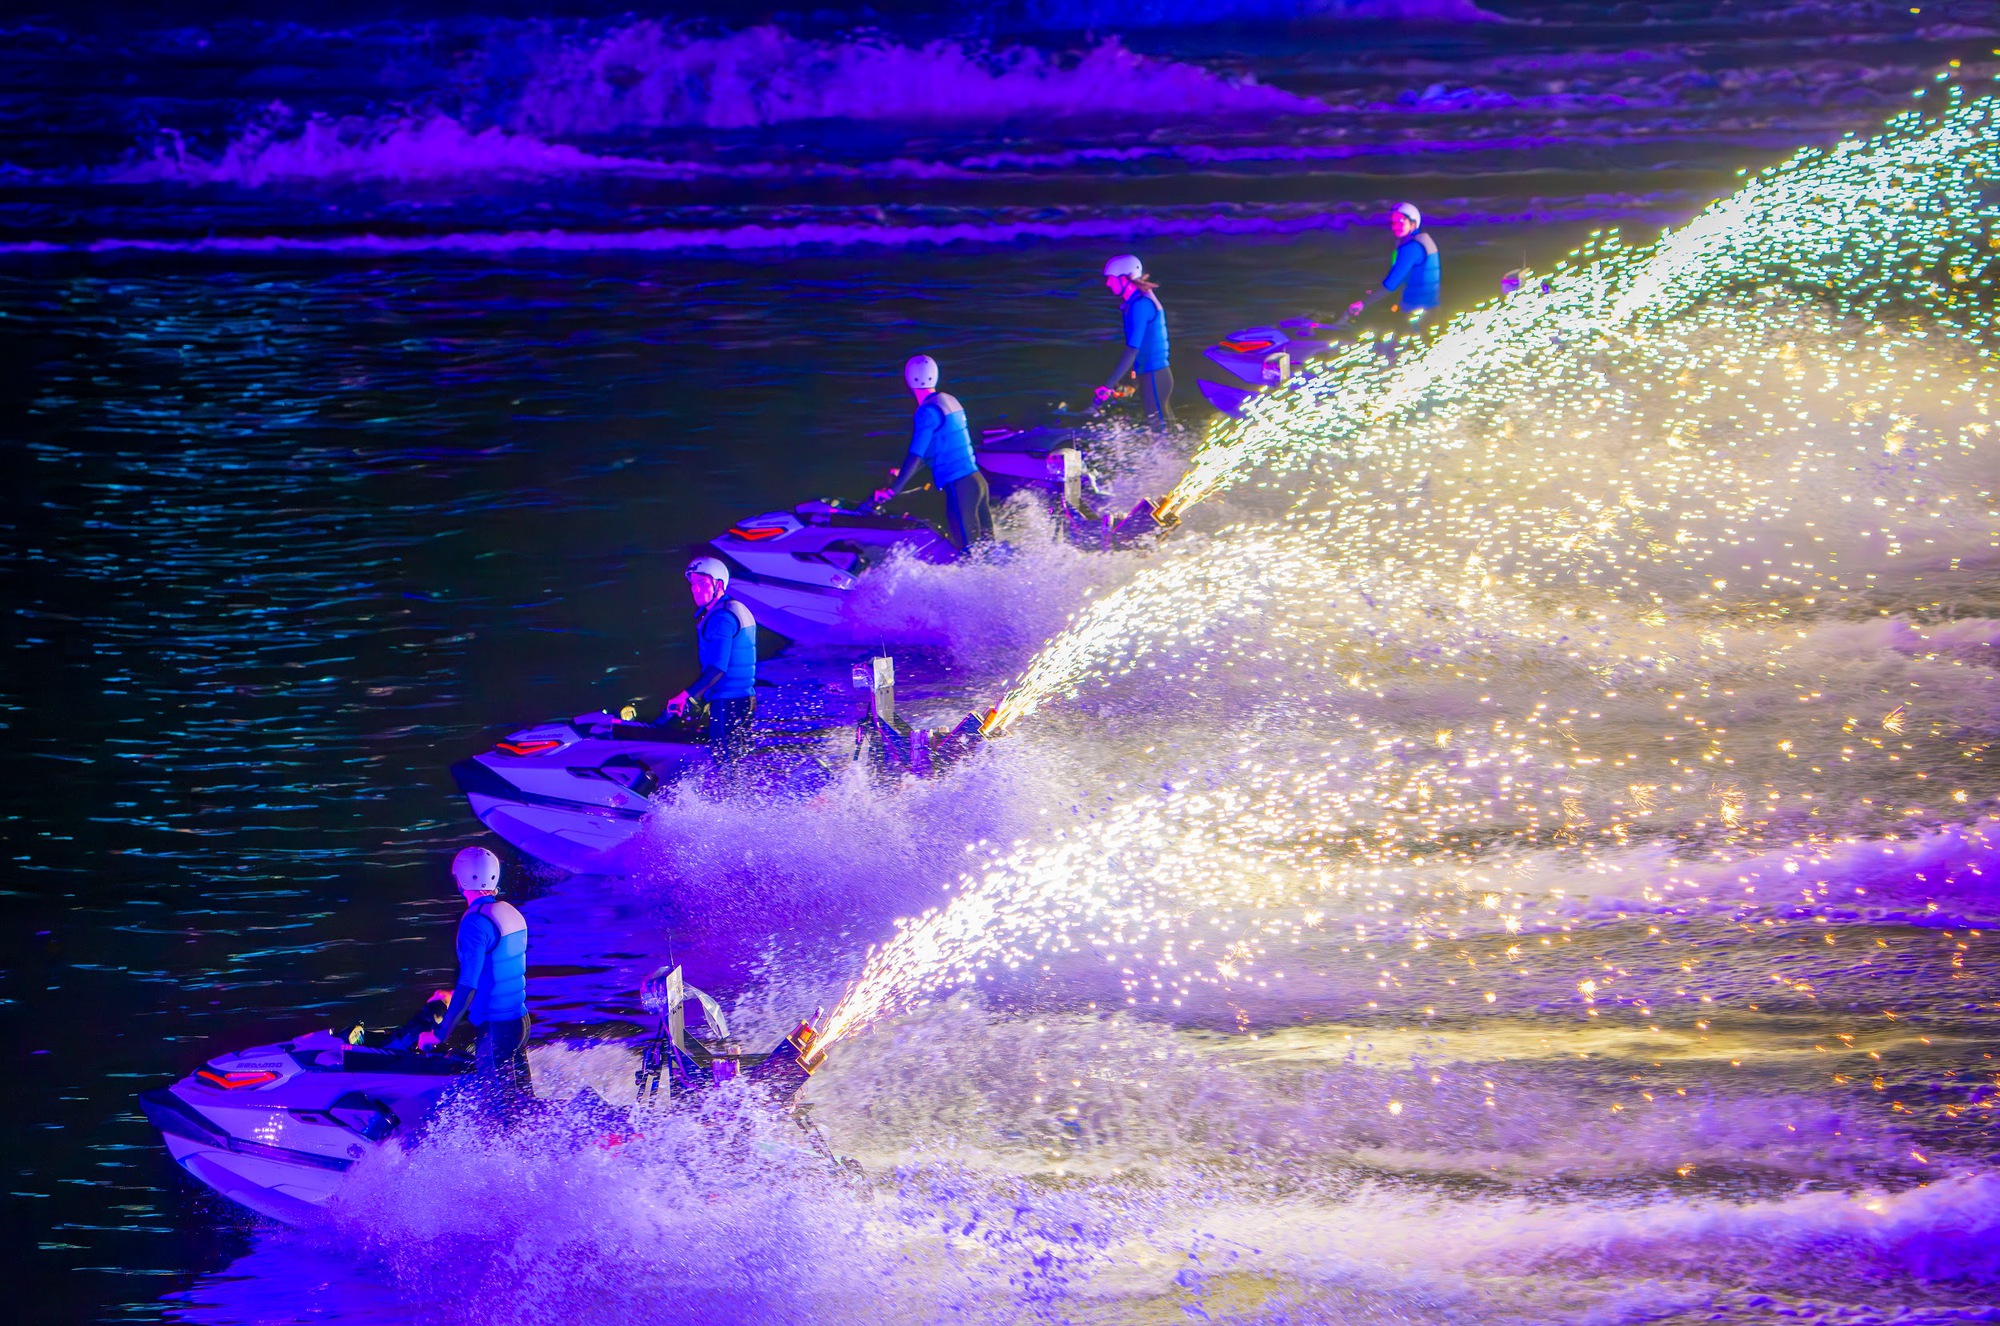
(366, 384)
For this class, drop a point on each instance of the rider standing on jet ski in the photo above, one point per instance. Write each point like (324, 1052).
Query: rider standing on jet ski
(492, 986)
(1145, 325)
(939, 434)
(1416, 271)
(726, 643)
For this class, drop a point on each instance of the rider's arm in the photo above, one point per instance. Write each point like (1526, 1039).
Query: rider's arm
(1135, 318)
(1125, 362)
(704, 683)
(474, 950)
(904, 475)
(923, 432)
(1408, 257)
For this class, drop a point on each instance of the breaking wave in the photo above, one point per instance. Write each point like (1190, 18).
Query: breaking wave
(648, 77)
(432, 147)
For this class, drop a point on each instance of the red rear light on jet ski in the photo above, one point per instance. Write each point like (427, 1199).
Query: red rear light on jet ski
(536, 747)
(1245, 347)
(755, 533)
(232, 1080)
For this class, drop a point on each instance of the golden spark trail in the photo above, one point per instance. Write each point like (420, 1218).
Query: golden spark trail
(1613, 610)
(1816, 222)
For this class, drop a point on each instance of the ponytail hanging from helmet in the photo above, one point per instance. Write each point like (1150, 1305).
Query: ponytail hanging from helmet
(1128, 266)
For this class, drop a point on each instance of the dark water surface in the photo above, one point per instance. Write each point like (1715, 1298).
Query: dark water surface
(288, 532)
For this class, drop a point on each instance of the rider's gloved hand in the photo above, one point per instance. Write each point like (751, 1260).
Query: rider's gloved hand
(1103, 394)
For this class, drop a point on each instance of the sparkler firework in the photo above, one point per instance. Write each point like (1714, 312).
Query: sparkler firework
(1590, 592)
(1895, 222)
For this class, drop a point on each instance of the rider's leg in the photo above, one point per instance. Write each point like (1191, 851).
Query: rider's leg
(1156, 395)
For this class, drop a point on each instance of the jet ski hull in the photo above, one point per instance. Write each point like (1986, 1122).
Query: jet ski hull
(795, 569)
(275, 1191)
(1264, 357)
(574, 794)
(277, 1128)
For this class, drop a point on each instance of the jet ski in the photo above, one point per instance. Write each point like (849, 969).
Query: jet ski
(276, 1128)
(1264, 357)
(573, 793)
(794, 569)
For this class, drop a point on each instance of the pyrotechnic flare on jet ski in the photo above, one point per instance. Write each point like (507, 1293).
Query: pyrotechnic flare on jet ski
(726, 643)
(1416, 272)
(492, 989)
(1145, 326)
(939, 435)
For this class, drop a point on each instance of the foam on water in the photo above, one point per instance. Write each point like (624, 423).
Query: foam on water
(650, 100)
(434, 146)
(1112, 1170)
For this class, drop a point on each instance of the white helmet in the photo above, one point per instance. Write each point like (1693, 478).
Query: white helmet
(921, 373)
(1125, 264)
(476, 870)
(710, 566)
(1409, 210)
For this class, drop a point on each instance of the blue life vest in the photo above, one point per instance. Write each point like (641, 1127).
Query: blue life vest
(1146, 330)
(939, 435)
(726, 639)
(493, 960)
(1417, 271)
